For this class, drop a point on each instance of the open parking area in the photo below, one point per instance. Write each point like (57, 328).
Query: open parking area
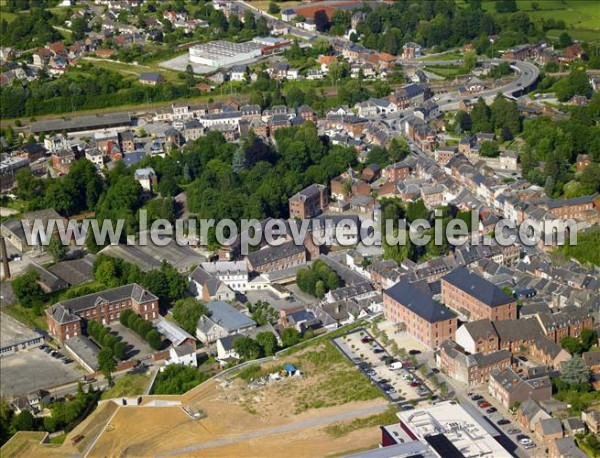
(33, 369)
(398, 379)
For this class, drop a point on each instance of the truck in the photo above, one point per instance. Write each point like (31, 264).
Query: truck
(395, 365)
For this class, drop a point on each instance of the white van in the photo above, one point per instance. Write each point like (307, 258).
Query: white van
(395, 366)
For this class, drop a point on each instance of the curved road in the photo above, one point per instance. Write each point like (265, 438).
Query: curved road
(527, 72)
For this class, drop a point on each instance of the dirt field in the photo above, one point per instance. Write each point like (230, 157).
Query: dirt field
(241, 419)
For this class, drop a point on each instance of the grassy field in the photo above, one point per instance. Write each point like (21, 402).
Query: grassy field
(445, 56)
(132, 70)
(344, 428)
(449, 71)
(128, 385)
(582, 17)
(27, 316)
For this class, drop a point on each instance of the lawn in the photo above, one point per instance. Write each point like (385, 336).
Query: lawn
(445, 56)
(132, 70)
(448, 71)
(27, 316)
(128, 385)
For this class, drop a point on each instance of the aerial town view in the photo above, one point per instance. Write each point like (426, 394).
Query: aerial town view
(313, 228)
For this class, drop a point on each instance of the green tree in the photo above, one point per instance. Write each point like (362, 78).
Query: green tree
(27, 290)
(290, 337)
(470, 61)
(57, 250)
(571, 344)
(247, 348)
(107, 364)
(588, 339)
(574, 371)
(24, 421)
(187, 312)
(154, 339)
(268, 343)
(273, 8)
(565, 40)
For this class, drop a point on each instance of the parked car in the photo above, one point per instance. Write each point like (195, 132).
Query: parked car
(435, 371)
(390, 390)
(366, 339)
(503, 421)
(371, 373)
(395, 365)
(356, 360)
(416, 383)
(491, 410)
(477, 397)
(484, 405)
(513, 431)
(378, 350)
(414, 352)
(407, 407)
(524, 439)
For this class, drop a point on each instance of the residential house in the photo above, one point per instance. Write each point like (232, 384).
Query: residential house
(411, 50)
(471, 369)
(547, 431)
(224, 320)
(529, 414)
(238, 73)
(206, 287)
(151, 79)
(147, 178)
(478, 336)
(592, 362)
(565, 448)
(62, 160)
(509, 388)
(548, 352)
(592, 420)
(233, 273)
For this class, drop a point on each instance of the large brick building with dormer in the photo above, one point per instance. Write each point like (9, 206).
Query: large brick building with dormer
(67, 319)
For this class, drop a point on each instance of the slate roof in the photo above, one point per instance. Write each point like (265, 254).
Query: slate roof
(227, 317)
(549, 347)
(551, 426)
(65, 311)
(207, 280)
(478, 287)
(274, 253)
(567, 447)
(513, 330)
(420, 303)
(480, 329)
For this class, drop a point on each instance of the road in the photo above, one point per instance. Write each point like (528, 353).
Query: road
(299, 425)
(527, 75)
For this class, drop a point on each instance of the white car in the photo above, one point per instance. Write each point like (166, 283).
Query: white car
(525, 441)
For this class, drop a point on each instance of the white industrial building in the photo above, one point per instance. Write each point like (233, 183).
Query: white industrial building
(224, 53)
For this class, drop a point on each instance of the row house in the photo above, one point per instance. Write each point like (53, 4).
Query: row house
(68, 318)
(586, 208)
(485, 336)
(398, 171)
(548, 352)
(569, 322)
(410, 95)
(470, 369)
(424, 318)
(509, 388)
(283, 256)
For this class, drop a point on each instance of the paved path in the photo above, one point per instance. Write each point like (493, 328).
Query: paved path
(303, 424)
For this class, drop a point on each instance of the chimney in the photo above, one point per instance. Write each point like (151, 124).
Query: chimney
(4, 258)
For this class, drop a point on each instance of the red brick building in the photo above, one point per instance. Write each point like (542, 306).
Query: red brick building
(309, 202)
(424, 318)
(398, 171)
(569, 322)
(581, 208)
(67, 319)
(476, 297)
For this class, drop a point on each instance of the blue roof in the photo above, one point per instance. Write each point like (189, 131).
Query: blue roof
(133, 158)
(229, 318)
(420, 302)
(290, 368)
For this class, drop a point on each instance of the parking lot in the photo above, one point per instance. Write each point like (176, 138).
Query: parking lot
(31, 370)
(136, 347)
(401, 385)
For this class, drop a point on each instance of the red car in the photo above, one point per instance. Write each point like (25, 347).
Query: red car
(484, 405)
(415, 384)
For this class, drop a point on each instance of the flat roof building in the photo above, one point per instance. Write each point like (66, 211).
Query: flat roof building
(222, 53)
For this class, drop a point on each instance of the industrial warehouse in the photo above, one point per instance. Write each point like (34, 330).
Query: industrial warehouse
(224, 53)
